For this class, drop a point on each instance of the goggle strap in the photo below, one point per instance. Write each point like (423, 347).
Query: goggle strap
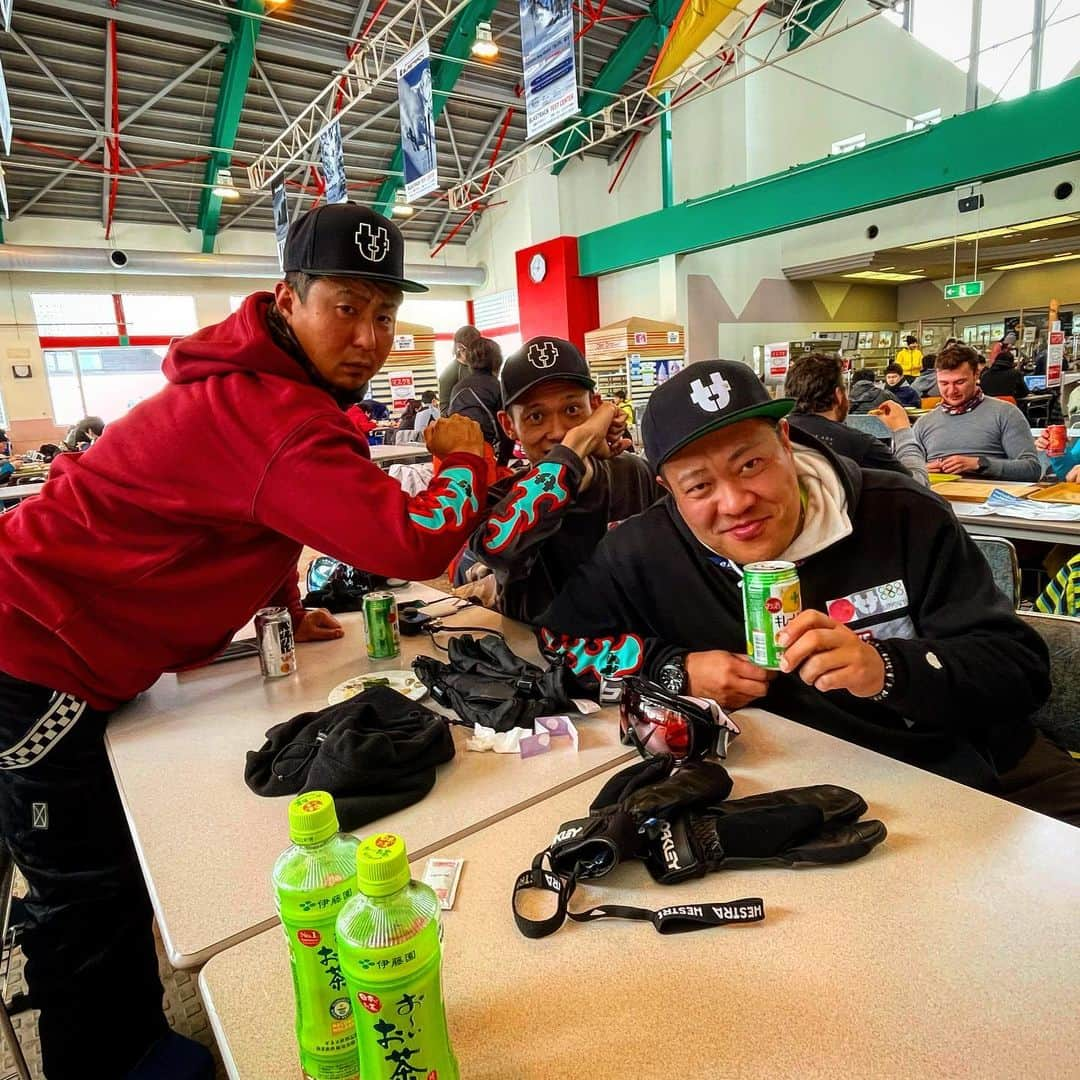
(678, 919)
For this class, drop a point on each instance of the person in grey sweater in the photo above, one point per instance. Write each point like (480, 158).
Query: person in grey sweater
(926, 383)
(970, 433)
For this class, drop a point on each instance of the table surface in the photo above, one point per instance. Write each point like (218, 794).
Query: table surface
(19, 491)
(178, 757)
(400, 455)
(950, 950)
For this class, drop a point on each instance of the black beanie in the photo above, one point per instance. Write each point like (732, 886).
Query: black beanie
(375, 753)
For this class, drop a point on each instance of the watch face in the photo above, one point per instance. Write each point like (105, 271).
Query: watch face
(537, 267)
(673, 678)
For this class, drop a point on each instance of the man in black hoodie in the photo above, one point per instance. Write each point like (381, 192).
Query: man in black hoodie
(545, 523)
(904, 644)
(1002, 379)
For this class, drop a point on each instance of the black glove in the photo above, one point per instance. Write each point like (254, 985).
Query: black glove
(811, 825)
(630, 802)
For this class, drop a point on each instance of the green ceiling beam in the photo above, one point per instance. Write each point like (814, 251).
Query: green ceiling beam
(621, 66)
(979, 145)
(240, 55)
(810, 20)
(444, 75)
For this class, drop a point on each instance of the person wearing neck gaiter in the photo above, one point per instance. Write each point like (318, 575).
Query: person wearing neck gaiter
(904, 644)
(970, 433)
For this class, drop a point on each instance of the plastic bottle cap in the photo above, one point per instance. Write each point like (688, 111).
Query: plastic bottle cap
(312, 817)
(382, 865)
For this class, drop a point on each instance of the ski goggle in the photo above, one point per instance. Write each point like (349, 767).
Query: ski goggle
(656, 721)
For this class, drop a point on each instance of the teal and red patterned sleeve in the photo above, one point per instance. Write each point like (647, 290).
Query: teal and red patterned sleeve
(530, 512)
(320, 490)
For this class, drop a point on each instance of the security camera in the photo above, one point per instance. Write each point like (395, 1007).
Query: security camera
(118, 259)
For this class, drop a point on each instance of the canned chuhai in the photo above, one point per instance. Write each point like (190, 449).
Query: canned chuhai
(771, 599)
(381, 626)
(277, 649)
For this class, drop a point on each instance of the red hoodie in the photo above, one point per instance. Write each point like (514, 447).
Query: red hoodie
(146, 553)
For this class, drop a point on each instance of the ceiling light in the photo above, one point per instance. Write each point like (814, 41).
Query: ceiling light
(401, 207)
(485, 46)
(987, 234)
(1045, 223)
(879, 275)
(1067, 257)
(1038, 239)
(224, 187)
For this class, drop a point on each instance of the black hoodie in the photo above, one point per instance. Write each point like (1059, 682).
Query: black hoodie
(968, 672)
(1001, 378)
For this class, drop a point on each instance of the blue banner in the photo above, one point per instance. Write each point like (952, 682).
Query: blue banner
(547, 59)
(5, 113)
(281, 216)
(417, 123)
(332, 160)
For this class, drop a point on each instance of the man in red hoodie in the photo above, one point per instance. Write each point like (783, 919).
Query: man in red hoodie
(146, 553)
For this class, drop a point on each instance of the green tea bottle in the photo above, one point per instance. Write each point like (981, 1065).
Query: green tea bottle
(389, 938)
(312, 881)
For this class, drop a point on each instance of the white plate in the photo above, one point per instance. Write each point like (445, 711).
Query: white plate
(404, 682)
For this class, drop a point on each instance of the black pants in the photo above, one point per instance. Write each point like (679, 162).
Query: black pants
(88, 939)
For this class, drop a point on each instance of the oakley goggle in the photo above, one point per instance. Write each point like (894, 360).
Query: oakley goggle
(655, 721)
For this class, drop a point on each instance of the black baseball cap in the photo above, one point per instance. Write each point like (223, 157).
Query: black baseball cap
(703, 398)
(346, 240)
(540, 360)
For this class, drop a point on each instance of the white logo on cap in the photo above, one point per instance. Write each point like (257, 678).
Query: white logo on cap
(374, 244)
(543, 356)
(711, 398)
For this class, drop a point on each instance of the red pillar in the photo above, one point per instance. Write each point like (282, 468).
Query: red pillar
(561, 303)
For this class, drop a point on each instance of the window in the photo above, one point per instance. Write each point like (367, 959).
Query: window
(945, 28)
(1061, 41)
(74, 314)
(924, 120)
(235, 302)
(147, 315)
(896, 15)
(852, 142)
(109, 381)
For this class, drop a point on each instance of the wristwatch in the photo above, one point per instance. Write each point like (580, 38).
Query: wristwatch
(673, 676)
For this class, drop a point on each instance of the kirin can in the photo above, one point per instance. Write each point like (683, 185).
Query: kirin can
(277, 649)
(771, 599)
(1056, 438)
(381, 626)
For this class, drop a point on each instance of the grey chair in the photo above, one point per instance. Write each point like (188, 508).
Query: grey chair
(1059, 718)
(1004, 565)
(872, 425)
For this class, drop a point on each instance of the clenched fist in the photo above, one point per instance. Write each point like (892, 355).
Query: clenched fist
(454, 435)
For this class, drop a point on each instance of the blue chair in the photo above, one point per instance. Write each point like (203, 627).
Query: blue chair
(871, 425)
(1004, 565)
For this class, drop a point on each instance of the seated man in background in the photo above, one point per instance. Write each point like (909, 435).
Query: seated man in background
(904, 644)
(84, 434)
(429, 411)
(970, 433)
(865, 392)
(907, 395)
(1002, 379)
(816, 382)
(926, 383)
(544, 524)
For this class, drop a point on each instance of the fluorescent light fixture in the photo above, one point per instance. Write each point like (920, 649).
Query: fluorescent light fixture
(484, 47)
(987, 234)
(880, 275)
(1067, 257)
(224, 187)
(401, 207)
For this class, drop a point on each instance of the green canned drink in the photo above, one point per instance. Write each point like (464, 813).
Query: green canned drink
(381, 626)
(771, 599)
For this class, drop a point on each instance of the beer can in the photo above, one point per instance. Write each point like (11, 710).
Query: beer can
(1056, 438)
(277, 650)
(771, 599)
(381, 626)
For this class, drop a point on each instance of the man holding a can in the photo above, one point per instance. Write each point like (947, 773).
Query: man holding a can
(146, 553)
(904, 644)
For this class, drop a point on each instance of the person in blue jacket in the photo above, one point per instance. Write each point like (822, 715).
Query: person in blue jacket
(1067, 465)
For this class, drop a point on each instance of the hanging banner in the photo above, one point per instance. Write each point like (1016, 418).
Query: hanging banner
(402, 388)
(547, 60)
(3, 193)
(5, 113)
(417, 124)
(281, 216)
(5, 11)
(332, 161)
(1055, 355)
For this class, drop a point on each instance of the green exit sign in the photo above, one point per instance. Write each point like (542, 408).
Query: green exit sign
(959, 289)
